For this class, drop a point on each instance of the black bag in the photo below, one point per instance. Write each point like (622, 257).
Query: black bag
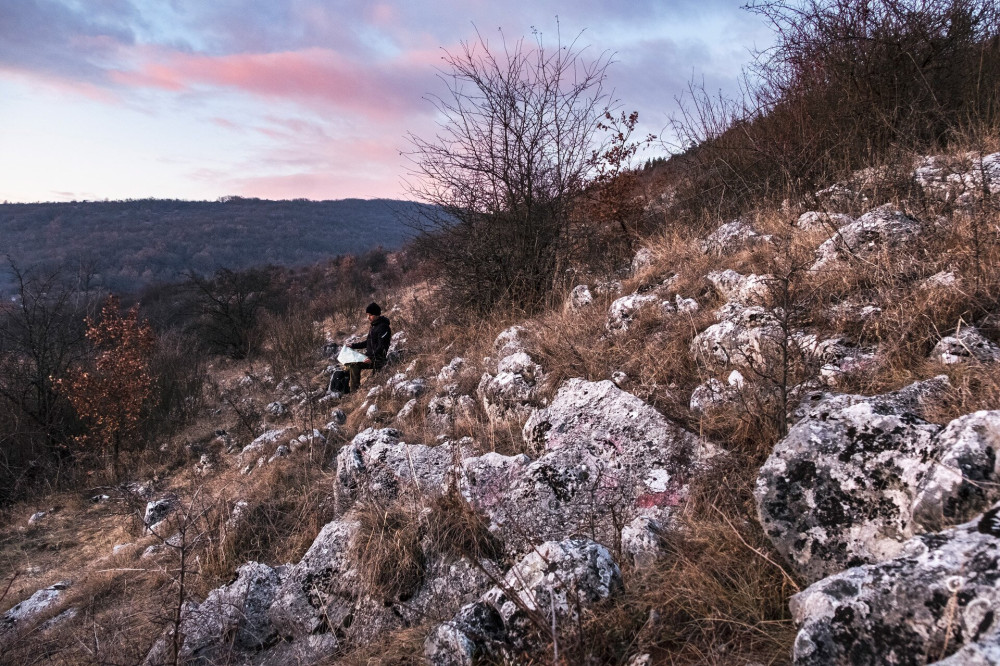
(340, 382)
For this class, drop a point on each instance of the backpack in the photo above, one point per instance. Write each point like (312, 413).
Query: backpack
(340, 382)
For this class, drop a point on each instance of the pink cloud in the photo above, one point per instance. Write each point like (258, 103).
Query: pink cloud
(313, 76)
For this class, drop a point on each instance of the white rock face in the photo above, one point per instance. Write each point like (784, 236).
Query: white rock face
(859, 475)
(559, 578)
(937, 599)
(732, 237)
(883, 229)
(451, 371)
(232, 618)
(965, 477)
(514, 390)
(745, 290)
(322, 596)
(967, 345)
(961, 180)
(642, 260)
(314, 593)
(579, 298)
(623, 310)
(510, 341)
(820, 221)
(157, 512)
(23, 613)
(746, 337)
(605, 455)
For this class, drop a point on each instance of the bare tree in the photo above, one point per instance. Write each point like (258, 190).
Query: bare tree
(515, 146)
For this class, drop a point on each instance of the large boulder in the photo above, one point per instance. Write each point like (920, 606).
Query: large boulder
(732, 237)
(965, 476)
(880, 230)
(937, 600)
(559, 580)
(514, 390)
(26, 612)
(378, 464)
(324, 595)
(968, 344)
(233, 618)
(746, 337)
(859, 475)
(606, 458)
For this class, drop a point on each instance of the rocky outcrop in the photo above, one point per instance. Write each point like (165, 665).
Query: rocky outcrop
(557, 582)
(965, 475)
(858, 476)
(732, 237)
(233, 618)
(883, 229)
(967, 345)
(936, 600)
(377, 464)
(605, 457)
(820, 221)
(514, 390)
(746, 337)
(26, 612)
(579, 298)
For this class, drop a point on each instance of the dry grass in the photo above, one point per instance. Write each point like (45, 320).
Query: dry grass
(386, 550)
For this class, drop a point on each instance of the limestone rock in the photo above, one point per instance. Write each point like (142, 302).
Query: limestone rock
(746, 337)
(451, 371)
(314, 596)
(377, 464)
(642, 260)
(276, 409)
(968, 344)
(233, 617)
(407, 410)
(157, 511)
(732, 237)
(857, 476)
(963, 478)
(514, 390)
(623, 310)
(606, 456)
(746, 290)
(820, 221)
(837, 491)
(510, 341)
(938, 598)
(560, 578)
(23, 613)
(882, 229)
(579, 298)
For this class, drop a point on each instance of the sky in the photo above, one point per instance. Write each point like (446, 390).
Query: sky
(283, 99)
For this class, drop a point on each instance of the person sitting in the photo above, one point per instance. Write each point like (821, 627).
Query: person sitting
(375, 346)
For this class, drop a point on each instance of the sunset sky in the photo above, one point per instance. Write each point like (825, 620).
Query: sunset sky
(199, 99)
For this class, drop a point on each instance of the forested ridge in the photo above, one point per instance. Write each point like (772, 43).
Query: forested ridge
(125, 245)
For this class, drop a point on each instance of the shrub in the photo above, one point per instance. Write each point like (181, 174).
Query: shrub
(848, 84)
(515, 148)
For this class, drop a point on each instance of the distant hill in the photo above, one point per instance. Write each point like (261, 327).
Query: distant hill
(129, 244)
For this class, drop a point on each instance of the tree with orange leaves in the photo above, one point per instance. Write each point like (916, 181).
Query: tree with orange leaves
(110, 395)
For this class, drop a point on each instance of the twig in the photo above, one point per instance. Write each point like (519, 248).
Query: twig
(764, 556)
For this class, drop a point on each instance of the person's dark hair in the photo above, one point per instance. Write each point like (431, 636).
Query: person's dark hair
(373, 309)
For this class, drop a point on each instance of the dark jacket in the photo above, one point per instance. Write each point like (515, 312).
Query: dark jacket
(377, 345)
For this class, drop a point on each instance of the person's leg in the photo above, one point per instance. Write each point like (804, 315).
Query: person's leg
(355, 370)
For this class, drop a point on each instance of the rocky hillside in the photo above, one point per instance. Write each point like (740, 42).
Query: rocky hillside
(772, 441)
